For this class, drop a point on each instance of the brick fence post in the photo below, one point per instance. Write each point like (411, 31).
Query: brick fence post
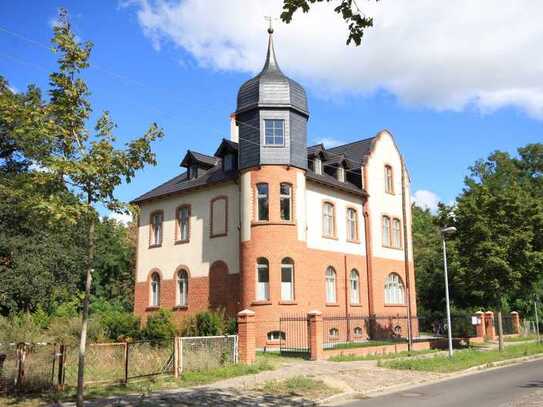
(480, 328)
(490, 328)
(246, 337)
(314, 330)
(516, 322)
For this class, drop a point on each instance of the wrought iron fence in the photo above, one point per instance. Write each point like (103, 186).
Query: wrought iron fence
(294, 334)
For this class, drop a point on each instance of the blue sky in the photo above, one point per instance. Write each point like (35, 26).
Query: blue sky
(185, 77)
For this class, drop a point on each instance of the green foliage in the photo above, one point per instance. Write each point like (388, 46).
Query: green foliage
(356, 21)
(159, 326)
(118, 324)
(208, 323)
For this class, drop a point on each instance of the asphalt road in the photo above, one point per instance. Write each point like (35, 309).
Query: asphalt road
(517, 385)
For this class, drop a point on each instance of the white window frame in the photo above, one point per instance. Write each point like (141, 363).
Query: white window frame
(355, 287)
(287, 287)
(274, 128)
(262, 287)
(341, 174)
(155, 290)
(328, 219)
(259, 196)
(331, 285)
(276, 336)
(317, 162)
(182, 288)
(285, 197)
(394, 290)
(396, 233)
(157, 219)
(352, 224)
(385, 231)
(183, 222)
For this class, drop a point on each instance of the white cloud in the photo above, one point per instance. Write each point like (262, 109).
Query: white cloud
(426, 200)
(329, 142)
(483, 53)
(120, 217)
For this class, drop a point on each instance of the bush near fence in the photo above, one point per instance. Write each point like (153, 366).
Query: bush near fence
(39, 367)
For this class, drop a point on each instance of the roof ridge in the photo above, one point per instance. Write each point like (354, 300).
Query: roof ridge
(352, 142)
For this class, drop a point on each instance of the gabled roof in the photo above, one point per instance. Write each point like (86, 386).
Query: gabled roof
(226, 146)
(355, 152)
(180, 183)
(204, 160)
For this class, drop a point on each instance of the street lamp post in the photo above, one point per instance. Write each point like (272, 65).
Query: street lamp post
(444, 232)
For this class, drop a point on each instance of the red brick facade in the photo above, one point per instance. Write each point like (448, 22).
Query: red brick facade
(276, 240)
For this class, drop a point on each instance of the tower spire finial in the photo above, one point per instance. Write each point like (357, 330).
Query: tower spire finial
(271, 63)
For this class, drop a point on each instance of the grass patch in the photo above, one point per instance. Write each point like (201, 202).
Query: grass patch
(464, 359)
(276, 359)
(144, 386)
(520, 338)
(354, 358)
(299, 386)
(367, 344)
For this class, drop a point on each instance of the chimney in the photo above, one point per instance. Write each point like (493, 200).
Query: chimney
(234, 129)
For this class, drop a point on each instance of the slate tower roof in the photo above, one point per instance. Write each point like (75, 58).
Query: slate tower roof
(271, 87)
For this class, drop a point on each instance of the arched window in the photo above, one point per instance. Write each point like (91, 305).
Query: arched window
(389, 180)
(386, 231)
(182, 288)
(355, 287)
(263, 211)
(396, 234)
(155, 235)
(219, 216)
(287, 280)
(183, 224)
(155, 290)
(328, 220)
(394, 290)
(358, 331)
(276, 336)
(352, 225)
(263, 279)
(330, 285)
(333, 333)
(285, 201)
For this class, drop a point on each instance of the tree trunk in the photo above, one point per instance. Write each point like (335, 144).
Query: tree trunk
(500, 330)
(85, 312)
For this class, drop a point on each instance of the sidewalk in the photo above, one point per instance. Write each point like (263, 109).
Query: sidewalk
(361, 377)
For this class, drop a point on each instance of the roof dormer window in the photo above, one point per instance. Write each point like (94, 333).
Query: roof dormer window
(228, 162)
(193, 171)
(341, 174)
(318, 166)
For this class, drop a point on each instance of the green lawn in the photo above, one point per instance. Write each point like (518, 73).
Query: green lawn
(520, 338)
(464, 359)
(300, 386)
(353, 358)
(367, 344)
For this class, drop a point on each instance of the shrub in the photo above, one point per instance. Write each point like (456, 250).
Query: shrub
(117, 323)
(205, 323)
(159, 326)
(20, 328)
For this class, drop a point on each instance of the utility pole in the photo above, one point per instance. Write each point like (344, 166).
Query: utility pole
(445, 232)
(536, 321)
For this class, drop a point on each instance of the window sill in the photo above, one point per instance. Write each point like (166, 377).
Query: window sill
(152, 308)
(182, 241)
(154, 246)
(180, 307)
(353, 241)
(391, 247)
(330, 237)
(288, 303)
(356, 305)
(272, 223)
(330, 304)
(261, 302)
(219, 235)
(396, 305)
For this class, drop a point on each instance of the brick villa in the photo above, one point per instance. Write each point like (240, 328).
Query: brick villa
(270, 224)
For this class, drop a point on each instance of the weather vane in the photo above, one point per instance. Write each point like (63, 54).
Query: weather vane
(270, 19)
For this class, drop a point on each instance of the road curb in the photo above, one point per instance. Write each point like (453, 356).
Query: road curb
(346, 396)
